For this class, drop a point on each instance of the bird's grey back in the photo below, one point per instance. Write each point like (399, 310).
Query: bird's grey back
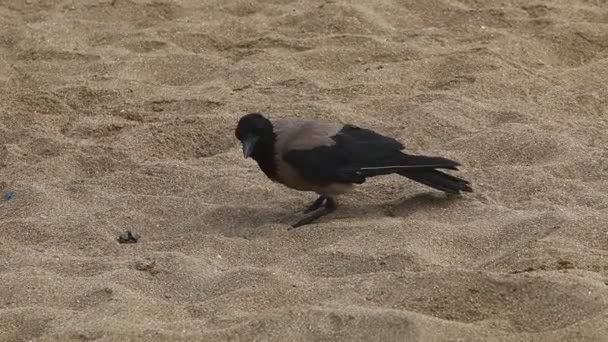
(300, 134)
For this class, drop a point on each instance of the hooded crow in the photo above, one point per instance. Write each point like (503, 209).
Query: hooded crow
(329, 158)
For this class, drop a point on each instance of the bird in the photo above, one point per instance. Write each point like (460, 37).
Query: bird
(331, 158)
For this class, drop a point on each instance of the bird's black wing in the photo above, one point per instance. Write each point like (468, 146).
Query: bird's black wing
(356, 154)
(321, 165)
(366, 147)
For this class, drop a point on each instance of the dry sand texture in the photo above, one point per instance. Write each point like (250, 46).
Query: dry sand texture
(119, 114)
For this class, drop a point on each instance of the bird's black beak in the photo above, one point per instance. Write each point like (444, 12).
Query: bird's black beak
(248, 145)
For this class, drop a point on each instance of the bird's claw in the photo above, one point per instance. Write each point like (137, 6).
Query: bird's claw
(316, 210)
(318, 203)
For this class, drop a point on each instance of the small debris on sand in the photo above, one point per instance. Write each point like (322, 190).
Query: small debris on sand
(128, 237)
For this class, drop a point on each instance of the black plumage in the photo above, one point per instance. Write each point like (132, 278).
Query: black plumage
(328, 158)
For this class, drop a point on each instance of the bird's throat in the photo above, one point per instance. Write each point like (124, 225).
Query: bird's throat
(264, 155)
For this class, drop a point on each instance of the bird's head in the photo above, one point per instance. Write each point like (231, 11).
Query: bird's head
(251, 129)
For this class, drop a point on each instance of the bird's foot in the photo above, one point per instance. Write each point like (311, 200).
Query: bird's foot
(330, 206)
(318, 203)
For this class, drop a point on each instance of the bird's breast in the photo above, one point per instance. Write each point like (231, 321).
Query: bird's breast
(290, 177)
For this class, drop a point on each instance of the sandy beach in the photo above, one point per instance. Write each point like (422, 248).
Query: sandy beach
(119, 115)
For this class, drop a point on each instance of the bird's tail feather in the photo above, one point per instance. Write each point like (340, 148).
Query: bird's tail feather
(438, 180)
(421, 169)
(404, 163)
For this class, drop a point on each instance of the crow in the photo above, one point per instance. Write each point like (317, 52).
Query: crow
(330, 158)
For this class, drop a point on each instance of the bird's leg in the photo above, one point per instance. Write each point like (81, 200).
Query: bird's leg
(315, 205)
(330, 206)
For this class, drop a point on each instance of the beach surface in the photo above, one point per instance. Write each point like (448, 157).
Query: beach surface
(119, 115)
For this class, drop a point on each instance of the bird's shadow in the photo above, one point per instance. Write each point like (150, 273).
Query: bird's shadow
(420, 202)
(402, 207)
(245, 221)
(242, 222)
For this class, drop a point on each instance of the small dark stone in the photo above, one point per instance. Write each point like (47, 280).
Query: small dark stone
(128, 237)
(564, 264)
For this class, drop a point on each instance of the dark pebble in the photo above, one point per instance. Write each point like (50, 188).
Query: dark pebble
(128, 237)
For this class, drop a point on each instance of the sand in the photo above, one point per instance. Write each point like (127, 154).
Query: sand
(119, 115)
